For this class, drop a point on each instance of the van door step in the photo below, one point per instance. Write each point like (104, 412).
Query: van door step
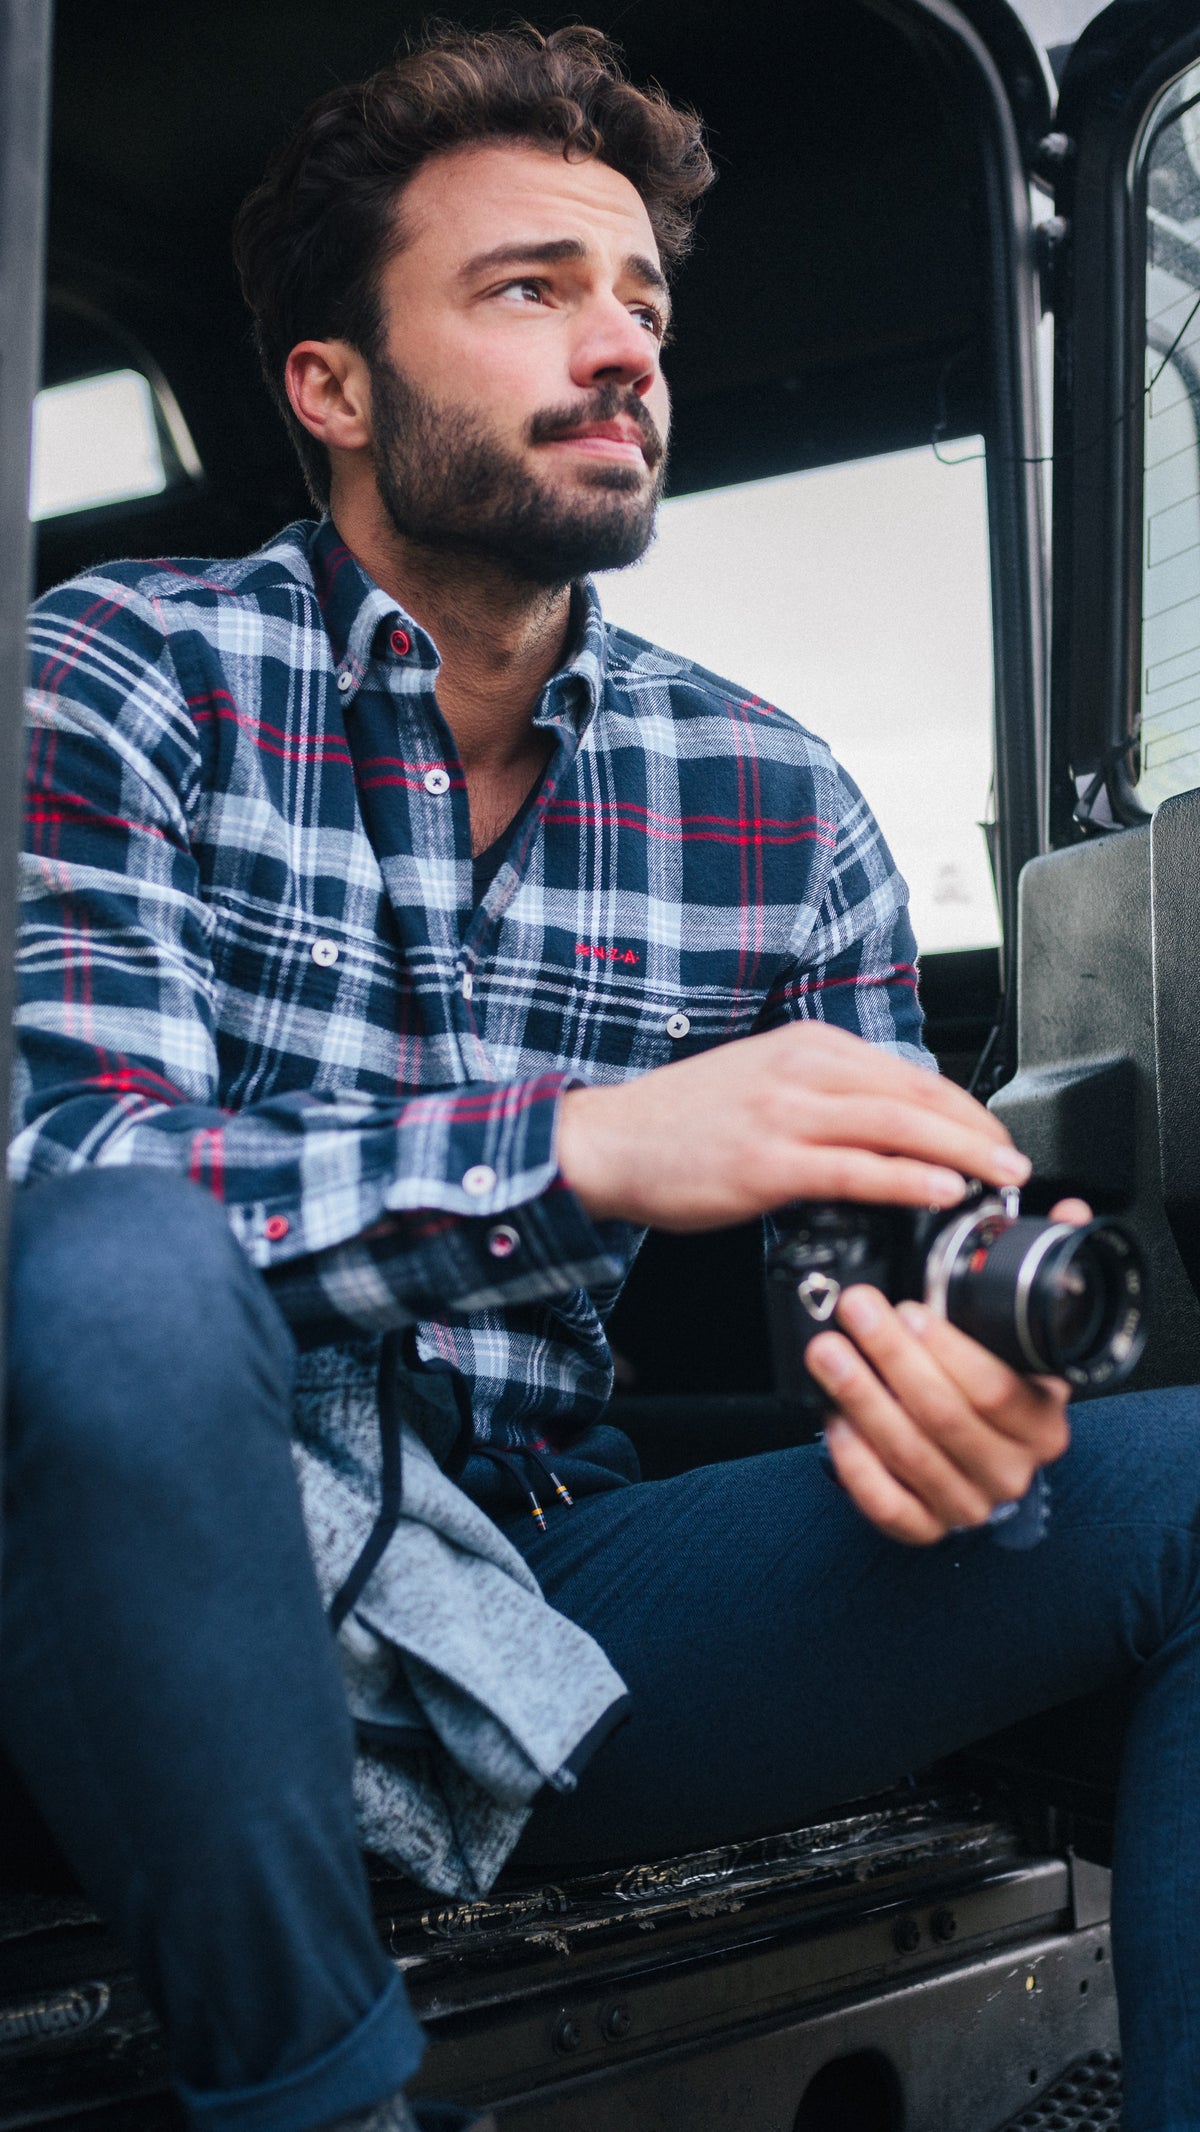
(1086, 2098)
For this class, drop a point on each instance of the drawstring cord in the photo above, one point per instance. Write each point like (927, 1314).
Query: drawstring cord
(510, 1461)
(391, 1474)
(530, 1452)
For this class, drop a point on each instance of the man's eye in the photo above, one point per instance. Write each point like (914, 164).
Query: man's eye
(534, 290)
(653, 320)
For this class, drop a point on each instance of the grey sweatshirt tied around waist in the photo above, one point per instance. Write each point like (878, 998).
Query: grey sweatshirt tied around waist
(468, 1690)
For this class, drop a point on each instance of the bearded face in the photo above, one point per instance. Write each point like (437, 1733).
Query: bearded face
(447, 481)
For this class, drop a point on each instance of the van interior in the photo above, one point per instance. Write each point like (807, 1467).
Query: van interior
(856, 514)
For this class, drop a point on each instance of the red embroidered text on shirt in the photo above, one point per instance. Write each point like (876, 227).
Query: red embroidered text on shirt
(599, 954)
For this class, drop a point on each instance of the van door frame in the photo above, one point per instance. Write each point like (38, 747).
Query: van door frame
(1006, 126)
(25, 50)
(1124, 58)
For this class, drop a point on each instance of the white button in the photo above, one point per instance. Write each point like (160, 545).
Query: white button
(468, 985)
(480, 1178)
(502, 1241)
(345, 681)
(437, 781)
(324, 953)
(678, 1025)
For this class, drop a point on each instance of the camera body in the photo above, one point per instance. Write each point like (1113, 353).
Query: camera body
(1045, 1296)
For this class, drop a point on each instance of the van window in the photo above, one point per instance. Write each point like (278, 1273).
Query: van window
(856, 598)
(103, 440)
(1170, 662)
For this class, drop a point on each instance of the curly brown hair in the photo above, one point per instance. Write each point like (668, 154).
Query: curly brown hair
(311, 239)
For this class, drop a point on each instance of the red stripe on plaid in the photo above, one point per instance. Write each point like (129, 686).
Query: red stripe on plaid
(457, 783)
(321, 748)
(901, 973)
(170, 568)
(54, 670)
(507, 1100)
(696, 829)
(44, 811)
(127, 1079)
(578, 810)
(206, 1164)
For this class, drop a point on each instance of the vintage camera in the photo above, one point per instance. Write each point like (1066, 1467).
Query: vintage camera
(1045, 1297)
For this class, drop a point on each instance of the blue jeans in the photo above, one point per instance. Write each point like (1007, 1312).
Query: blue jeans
(169, 1689)
(785, 1657)
(171, 1698)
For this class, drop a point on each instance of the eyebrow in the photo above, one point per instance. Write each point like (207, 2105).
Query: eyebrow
(558, 251)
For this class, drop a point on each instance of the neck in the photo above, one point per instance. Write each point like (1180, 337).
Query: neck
(500, 638)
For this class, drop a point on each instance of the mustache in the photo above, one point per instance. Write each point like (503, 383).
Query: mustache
(607, 405)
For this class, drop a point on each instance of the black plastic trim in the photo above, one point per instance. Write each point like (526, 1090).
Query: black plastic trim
(972, 79)
(1175, 950)
(1123, 61)
(1077, 1122)
(1023, 64)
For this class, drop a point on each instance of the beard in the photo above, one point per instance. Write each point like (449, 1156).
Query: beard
(447, 482)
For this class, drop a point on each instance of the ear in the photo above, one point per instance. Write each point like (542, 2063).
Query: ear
(329, 387)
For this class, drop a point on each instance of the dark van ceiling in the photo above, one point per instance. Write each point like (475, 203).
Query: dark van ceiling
(834, 302)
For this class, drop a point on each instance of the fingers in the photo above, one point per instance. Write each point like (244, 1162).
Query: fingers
(938, 1431)
(927, 1451)
(818, 1172)
(804, 1112)
(879, 1496)
(1029, 1410)
(895, 1126)
(834, 1089)
(1076, 1211)
(847, 1064)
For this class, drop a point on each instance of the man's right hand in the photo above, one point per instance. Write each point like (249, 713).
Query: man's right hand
(805, 1112)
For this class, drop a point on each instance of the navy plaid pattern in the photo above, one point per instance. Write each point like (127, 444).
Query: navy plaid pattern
(250, 952)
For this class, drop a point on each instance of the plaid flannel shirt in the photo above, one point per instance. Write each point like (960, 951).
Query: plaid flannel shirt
(250, 952)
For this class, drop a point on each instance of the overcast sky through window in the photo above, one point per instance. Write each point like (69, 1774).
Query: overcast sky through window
(856, 597)
(1057, 21)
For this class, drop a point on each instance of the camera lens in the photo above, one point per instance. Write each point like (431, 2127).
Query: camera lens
(1073, 1306)
(1043, 1295)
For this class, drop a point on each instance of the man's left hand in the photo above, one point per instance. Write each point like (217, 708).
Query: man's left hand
(931, 1432)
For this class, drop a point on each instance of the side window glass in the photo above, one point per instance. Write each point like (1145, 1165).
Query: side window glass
(856, 598)
(1170, 664)
(106, 439)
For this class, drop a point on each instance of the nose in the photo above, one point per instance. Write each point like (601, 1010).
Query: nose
(612, 347)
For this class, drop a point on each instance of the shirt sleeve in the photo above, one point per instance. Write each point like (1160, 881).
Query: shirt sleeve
(363, 1212)
(855, 964)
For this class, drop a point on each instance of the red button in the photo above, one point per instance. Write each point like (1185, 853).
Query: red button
(401, 643)
(276, 1227)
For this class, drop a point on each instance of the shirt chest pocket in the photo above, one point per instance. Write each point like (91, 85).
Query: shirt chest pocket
(622, 1027)
(301, 1006)
(257, 956)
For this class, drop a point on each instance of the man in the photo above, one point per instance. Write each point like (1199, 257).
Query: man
(315, 837)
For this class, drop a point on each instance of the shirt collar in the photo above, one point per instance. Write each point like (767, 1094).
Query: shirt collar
(355, 609)
(574, 692)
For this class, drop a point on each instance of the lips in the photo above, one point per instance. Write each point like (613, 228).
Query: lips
(616, 438)
(614, 426)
